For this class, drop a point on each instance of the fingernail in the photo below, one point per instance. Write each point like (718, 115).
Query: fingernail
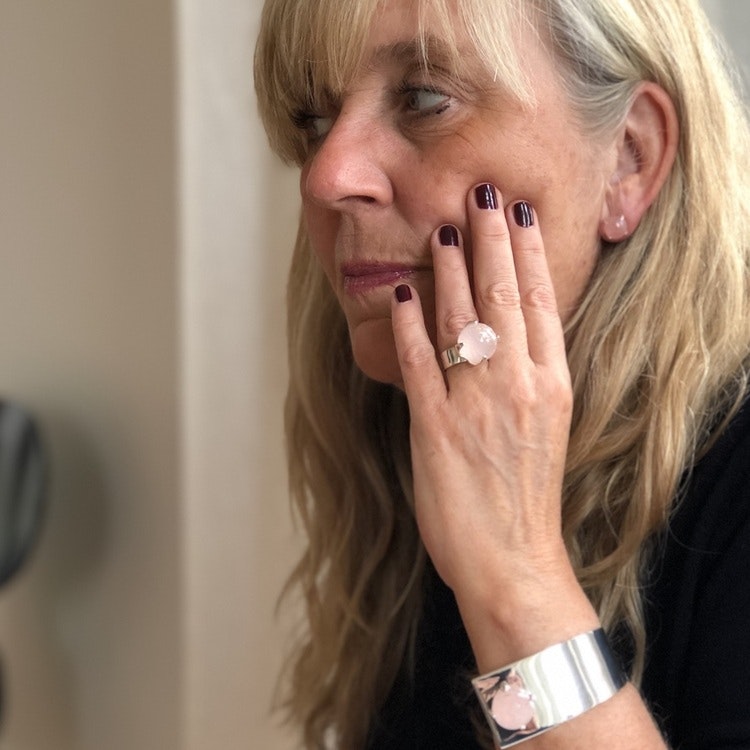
(523, 214)
(486, 196)
(448, 235)
(403, 293)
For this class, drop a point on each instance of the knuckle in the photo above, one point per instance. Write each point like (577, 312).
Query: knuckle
(503, 294)
(456, 320)
(560, 392)
(540, 296)
(524, 395)
(547, 391)
(416, 356)
(496, 233)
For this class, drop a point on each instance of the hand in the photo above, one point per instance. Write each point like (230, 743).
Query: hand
(488, 452)
(489, 442)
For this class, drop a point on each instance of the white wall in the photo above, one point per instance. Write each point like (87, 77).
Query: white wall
(239, 215)
(732, 17)
(144, 236)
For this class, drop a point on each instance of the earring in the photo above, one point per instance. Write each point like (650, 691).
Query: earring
(614, 228)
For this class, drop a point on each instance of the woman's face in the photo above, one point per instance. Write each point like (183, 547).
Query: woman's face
(395, 158)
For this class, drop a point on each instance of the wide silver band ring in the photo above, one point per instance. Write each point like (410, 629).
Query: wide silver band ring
(452, 356)
(476, 343)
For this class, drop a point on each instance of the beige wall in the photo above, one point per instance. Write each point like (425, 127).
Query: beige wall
(144, 235)
(143, 239)
(89, 633)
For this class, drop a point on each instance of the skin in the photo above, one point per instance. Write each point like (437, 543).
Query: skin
(488, 442)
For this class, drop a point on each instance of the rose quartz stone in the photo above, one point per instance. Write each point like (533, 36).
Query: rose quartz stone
(512, 706)
(478, 341)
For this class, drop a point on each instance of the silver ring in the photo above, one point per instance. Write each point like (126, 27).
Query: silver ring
(476, 343)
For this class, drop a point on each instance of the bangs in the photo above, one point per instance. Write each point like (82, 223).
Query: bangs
(308, 52)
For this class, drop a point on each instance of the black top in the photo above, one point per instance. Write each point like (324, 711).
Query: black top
(698, 672)
(697, 679)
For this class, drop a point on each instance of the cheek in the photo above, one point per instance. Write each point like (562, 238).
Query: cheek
(318, 222)
(321, 231)
(571, 264)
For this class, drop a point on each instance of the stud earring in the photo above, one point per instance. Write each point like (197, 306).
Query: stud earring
(614, 228)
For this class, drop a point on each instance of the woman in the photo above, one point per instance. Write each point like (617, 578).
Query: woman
(573, 175)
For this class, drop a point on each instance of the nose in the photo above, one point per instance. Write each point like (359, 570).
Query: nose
(352, 166)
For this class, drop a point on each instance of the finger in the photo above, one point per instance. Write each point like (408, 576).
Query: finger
(422, 377)
(454, 305)
(546, 343)
(496, 293)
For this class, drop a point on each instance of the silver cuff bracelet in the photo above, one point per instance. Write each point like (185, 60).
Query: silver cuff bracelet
(559, 683)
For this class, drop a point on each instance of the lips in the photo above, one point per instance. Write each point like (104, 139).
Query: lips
(360, 278)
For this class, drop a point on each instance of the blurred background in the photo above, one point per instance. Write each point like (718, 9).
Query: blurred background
(144, 238)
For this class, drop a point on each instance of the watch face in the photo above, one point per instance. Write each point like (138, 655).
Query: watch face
(512, 706)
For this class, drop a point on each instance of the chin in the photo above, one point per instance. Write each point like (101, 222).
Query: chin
(374, 350)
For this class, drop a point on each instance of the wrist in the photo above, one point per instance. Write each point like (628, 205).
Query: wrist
(518, 617)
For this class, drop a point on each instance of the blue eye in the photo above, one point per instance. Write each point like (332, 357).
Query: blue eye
(315, 126)
(424, 100)
(320, 125)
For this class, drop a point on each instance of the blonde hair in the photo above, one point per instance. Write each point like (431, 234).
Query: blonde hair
(657, 348)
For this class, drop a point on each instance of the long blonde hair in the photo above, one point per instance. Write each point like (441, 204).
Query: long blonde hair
(657, 348)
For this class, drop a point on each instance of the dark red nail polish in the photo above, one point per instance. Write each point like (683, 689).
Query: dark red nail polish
(486, 196)
(403, 293)
(448, 235)
(523, 214)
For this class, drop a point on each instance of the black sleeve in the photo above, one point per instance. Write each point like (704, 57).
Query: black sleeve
(698, 613)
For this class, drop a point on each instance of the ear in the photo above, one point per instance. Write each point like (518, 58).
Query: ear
(646, 148)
